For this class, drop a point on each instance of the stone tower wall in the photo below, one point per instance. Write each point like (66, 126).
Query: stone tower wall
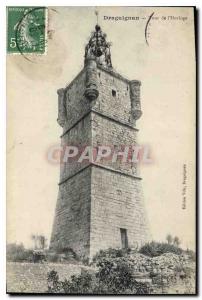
(107, 132)
(119, 106)
(76, 103)
(71, 228)
(116, 202)
(96, 200)
(79, 136)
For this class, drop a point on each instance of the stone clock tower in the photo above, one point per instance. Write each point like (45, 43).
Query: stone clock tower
(100, 204)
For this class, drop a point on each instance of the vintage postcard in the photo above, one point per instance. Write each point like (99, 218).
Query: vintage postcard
(101, 150)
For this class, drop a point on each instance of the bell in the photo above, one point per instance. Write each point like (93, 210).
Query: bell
(98, 52)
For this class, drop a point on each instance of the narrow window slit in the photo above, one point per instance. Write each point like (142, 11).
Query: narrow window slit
(113, 93)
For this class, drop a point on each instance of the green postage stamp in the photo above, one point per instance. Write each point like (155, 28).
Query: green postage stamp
(26, 30)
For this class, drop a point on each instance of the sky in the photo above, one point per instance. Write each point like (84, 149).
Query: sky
(166, 68)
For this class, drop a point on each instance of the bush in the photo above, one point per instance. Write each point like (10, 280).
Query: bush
(155, 249)
(110, 253)
(191, 254)
(67, 254)
(114, 276)
(54, 284)
(18, 253)
(38, 256)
